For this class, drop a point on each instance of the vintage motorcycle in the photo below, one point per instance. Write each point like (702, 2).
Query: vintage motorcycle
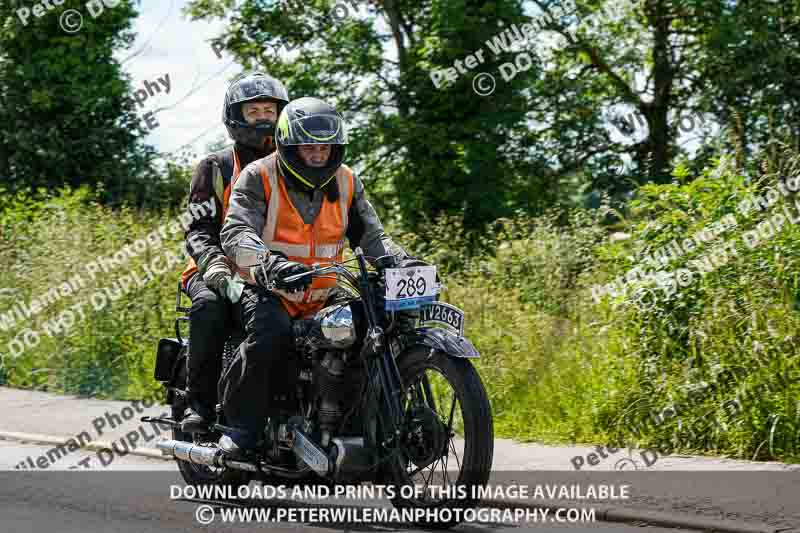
(385, 393)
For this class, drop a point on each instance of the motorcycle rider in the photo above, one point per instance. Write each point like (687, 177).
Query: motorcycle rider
(251, 108)
(300, 203)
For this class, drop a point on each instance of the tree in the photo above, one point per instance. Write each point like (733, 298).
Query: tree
(66, 112)
(430, 150)
(665, 59)
(547, 132)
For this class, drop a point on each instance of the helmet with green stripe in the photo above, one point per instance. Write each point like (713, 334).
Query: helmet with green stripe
(310, 121)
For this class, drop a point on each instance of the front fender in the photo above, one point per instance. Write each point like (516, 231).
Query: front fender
(445, 341)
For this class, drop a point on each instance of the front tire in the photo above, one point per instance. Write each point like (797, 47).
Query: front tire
(473, 423)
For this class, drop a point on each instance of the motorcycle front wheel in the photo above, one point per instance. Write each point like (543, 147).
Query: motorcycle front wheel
(447, 438)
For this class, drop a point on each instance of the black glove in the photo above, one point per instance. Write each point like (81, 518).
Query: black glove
(279, 270)
(283, 269)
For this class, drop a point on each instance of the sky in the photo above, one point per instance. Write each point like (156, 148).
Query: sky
(169, 44)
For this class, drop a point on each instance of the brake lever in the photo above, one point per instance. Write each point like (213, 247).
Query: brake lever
(315, 270)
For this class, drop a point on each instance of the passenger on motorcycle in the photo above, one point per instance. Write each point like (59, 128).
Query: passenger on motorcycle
(252, 106)
(300, 203)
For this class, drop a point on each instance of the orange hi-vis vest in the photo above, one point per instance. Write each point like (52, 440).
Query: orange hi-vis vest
(224, 194)
(321, 242)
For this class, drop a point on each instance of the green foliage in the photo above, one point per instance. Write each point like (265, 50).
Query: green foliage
(423, 151)
(544, 138)
(712, 366)
(717, 355)
(48, 244)
(66, 112)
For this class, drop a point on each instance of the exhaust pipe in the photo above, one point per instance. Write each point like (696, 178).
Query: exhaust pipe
(349, 458)
(201, 455)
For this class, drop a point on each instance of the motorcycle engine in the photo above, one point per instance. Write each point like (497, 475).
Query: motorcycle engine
(338, 380)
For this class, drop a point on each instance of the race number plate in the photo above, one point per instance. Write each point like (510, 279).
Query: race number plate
(447, 315)
(409, 288)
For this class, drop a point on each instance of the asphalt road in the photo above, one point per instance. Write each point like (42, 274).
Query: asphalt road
(133, 495)
(47, 489)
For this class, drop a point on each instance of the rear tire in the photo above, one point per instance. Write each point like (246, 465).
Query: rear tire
(476, 420)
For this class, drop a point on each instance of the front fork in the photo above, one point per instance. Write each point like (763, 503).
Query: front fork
(384, 367)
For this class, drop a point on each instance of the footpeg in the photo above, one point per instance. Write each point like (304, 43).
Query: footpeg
(165, 421)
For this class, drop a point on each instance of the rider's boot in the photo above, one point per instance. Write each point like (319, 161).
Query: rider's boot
(196, 419)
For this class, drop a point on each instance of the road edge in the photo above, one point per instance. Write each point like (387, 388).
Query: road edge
(93, 445)
(604, 513)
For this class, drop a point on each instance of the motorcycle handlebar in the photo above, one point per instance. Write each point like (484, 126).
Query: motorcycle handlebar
(337, 268)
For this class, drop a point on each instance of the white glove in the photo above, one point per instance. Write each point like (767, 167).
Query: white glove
(234, 288)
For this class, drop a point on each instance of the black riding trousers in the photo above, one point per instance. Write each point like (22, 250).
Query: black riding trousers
(265, 365)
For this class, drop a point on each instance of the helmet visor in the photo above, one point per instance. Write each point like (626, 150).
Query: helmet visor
(316, 129)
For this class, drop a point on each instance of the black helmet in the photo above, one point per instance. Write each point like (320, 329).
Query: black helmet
(310, 121)
(249, 88)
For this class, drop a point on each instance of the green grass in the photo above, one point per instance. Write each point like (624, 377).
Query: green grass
(712, 368)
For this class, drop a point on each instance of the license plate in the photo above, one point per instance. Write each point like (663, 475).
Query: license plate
(445, 314)
(410, 288)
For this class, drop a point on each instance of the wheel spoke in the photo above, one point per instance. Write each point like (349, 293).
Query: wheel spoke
(427, 394)
(426, 385)
(450, 419)
(455, 454)
(445, 479)
(428, 481)
(419, 394)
